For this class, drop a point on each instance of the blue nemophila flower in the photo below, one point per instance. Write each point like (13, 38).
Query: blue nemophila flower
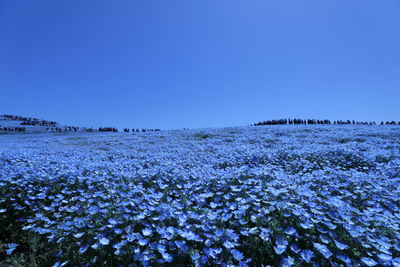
(307, 255)
(306, 225)
(119, 245)
(219, 232)
(142, 241)
(41, 230)
(60, 264)
(264, 235)
(382, 249)
(112, 221)
(356, 231)
(78, 235)
(290, 231)
(167, 257)
(237, 255)
(295, 248)
(324, 239)
(280, 245)
(141, 216)
(368, 261)
(83, 249)
(226, 217)
(242, 221)
(384, 243)
(341, 246)
(287, 262)
(195, 256)
(11, 248)
(213, 252)
(181, 245)
(213, 205)
(191, 236)
(204, 259)
(130, 237)
(147, 232)
(253, 230)
(161, 248)
(229, 244)
(321, 230)
(323, 250)
(330, 225)
(232, 235)
(396, 262)
(2, 210)
(384, 257)
(212, 216)
(104, 241)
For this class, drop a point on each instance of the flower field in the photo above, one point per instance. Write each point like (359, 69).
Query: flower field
(247, 196)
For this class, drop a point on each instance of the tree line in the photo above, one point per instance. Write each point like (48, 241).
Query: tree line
(320, 122)
(78, 129)
(127, 130)
(30, 121)
(390, 123)
(12, 129)
(115, 130)
(52, 126)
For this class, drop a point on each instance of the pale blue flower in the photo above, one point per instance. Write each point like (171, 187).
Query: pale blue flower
(340, 246)
(104, 241)
(307, 255)
(237, 254)
(323, 250)
(368, 261)
(83, 249)
(147, 232)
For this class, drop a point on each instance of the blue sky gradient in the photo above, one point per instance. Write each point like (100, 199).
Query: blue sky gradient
(209, 63)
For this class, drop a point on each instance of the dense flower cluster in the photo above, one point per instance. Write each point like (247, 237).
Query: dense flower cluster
(276, 196)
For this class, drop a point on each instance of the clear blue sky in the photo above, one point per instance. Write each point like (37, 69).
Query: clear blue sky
(192, 63)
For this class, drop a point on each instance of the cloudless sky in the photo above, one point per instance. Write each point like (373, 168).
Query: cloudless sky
(191, 63)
